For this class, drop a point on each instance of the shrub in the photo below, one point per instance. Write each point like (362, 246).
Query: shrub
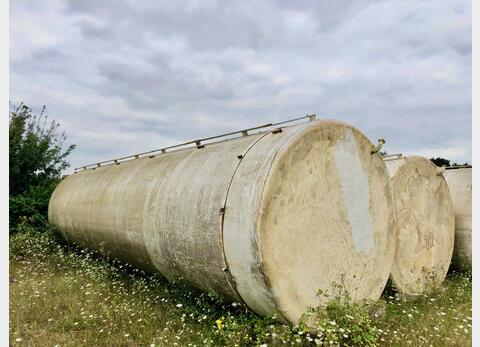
(36, 159)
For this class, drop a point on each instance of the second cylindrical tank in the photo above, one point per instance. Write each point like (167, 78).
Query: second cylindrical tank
(425, 224)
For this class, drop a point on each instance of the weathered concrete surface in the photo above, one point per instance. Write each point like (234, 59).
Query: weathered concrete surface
(300, 210)
(425, 224)
(460, 184)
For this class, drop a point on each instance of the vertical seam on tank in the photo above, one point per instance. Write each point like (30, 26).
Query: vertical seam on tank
(230, 278)
(264, 275)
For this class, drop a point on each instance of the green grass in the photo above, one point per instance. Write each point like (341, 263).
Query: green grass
(62, 295)
(441, 318)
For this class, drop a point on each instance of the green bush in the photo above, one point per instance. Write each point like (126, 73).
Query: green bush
(37, 159)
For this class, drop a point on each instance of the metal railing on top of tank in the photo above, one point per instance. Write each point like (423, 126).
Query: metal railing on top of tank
(392, 156)
(199, 143)
(400, 155)
(458, 167)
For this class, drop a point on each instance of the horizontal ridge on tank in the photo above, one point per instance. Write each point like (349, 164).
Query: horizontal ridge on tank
(267, 219)
(425, 223)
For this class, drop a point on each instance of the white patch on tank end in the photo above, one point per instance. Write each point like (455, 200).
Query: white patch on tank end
(355, 189)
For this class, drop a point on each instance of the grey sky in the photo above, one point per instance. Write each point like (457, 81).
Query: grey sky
(127, 76)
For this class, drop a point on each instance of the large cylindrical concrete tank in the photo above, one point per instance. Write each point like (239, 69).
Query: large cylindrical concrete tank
(459, 182)
(425, 224)
(266, 219)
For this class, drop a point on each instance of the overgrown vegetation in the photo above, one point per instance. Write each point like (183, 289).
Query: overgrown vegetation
(343, 321)
(37, 157)
(63, 295)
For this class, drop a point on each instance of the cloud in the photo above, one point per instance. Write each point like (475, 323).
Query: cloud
(131, 76)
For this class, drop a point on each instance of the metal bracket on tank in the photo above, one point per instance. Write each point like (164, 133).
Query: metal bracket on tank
(378, 147)
(277, 131)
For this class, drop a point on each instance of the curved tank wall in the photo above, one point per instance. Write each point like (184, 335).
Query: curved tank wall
(459, 182)
(266, 219)
(425, 224)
